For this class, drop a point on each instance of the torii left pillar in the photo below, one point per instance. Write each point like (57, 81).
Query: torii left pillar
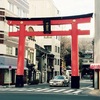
(21, 53)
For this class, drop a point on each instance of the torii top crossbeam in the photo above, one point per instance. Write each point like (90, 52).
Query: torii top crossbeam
(53, 21)
(46, 23)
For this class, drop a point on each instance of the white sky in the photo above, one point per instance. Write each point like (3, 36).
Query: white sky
(77, 7)
(74, 7)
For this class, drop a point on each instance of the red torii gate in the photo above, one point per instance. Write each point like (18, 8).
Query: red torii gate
(47, 22)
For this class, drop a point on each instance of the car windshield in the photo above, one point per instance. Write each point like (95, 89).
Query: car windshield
(58, 77)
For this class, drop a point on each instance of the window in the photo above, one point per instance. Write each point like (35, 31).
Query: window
(21, 13)
(48, 47)
(59, 77)
(88, 55)
(58, 49)
(24, 14)
(31, 57)
(16, 51)
(55, 61)
(1, 41)
(55, 48)
(18, 12)
(58, 62)
(1, 38)
(11, 7)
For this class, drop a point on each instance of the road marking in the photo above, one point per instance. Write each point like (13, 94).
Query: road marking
(88, 87)
(68, 91)
(18, 89)
(42, 89)
(50, 90)
(30, 89)
(22, 90)
(15, 89)
(33, 89)
(78, 91)
(59, 90)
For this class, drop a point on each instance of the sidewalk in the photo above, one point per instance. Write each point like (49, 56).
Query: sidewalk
(10, 86)
(25, 85)
(95, 92)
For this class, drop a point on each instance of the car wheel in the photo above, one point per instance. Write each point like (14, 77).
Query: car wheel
(68, 84)
(64, 84)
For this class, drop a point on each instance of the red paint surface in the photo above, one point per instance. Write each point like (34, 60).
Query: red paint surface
(21, 51)
(74, 54)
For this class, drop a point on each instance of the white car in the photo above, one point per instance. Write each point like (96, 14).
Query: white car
(59, 80)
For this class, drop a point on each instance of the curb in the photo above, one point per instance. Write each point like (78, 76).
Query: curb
(10, 86)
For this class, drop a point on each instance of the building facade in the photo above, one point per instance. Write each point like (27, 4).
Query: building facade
(9, 45)
(46, 8)
(97, 44)
(42, 54)
(87, 60)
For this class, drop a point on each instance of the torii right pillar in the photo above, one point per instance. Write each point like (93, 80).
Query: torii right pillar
(75, 77)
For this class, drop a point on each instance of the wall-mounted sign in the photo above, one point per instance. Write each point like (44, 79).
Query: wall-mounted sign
(95, 66)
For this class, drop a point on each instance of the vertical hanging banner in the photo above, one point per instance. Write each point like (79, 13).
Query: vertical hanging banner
(47, 26)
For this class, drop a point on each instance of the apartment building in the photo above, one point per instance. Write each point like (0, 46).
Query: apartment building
(9, 45)
(46, 8)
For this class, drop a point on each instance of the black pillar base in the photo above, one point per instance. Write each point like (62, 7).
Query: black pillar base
(19, 81)
(75, 82)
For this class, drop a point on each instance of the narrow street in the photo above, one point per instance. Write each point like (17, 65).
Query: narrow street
(86, 86)
(44, 92)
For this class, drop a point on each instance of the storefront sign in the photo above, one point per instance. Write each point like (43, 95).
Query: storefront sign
(95, 66)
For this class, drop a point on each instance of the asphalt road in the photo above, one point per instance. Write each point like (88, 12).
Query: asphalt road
(46, 89)
(44, 92)
(83, 83)
(24, 96)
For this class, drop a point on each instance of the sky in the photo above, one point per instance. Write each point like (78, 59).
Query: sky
(74, 7)
(77, 7)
